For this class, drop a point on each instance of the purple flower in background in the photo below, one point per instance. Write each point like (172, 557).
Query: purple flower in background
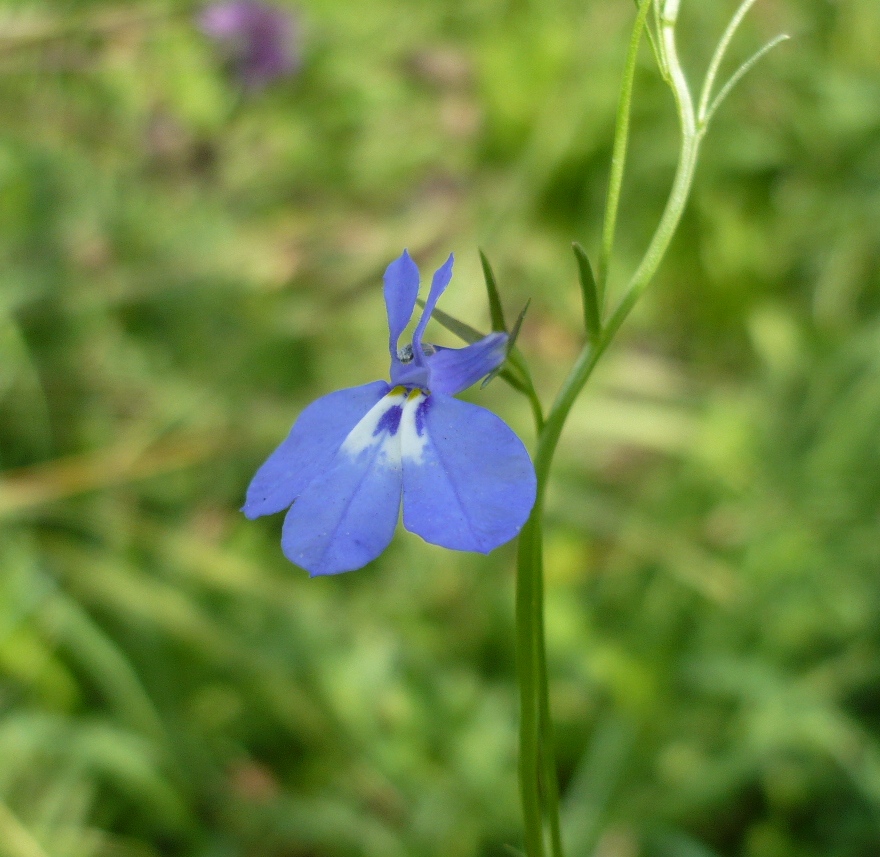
(464, 478)
(261, 39)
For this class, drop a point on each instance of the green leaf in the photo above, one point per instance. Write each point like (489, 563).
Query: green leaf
(589, 291)
(517, 325)
(495, 309)
(511, 374)
(511, 341)
(453, 325)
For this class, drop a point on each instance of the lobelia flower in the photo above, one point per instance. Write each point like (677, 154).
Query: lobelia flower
(464, 478)
(260, 38)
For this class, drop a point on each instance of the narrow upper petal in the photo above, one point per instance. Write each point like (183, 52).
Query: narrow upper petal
(309, 448)
(468, 481)
(440, 281)
(401, 290)
(455, 369)
(347, 515)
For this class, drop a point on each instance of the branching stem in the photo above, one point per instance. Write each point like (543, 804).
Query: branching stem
(537, 764)
(537, 769)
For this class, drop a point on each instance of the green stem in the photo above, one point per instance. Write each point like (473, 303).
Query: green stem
(718, 56)
(569, 391)
(537, 762)
(691, 137)
(527, 663)
(549, 775)
(516, 359)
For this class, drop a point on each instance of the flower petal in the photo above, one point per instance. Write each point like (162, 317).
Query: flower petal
(401, 290)
(468, 481)
(455, 369)
(440, 281)
(347, 515)
(309, 448)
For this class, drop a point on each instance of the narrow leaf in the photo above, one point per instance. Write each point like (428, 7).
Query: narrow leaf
(453, 325)
(511, 341)
(495, 309)
(589, 291)
(464, 331)
(517, 325)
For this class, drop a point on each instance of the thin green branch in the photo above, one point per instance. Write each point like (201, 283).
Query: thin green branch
(651, 39)
(517, 361)
(718, 55)
(738, 76)
(592, 351)
(691, 137)
(555, 421)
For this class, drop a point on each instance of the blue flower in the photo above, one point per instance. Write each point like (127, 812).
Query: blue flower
(464, 478)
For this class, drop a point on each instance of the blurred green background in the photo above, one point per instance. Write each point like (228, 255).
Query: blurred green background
(183, 267)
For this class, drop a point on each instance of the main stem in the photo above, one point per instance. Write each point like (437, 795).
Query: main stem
(529, 653)
(537, 767)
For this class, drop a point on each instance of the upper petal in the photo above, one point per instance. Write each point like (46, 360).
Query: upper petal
(468, 481)
(347, 515)
(439, 282)
(455, 369)
(309, 448)
(401, 290)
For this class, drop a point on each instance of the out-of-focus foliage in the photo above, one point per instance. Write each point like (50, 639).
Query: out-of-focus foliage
(183, 267)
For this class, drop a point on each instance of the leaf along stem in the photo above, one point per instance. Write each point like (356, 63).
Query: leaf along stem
(618, 154)
(496, 311)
